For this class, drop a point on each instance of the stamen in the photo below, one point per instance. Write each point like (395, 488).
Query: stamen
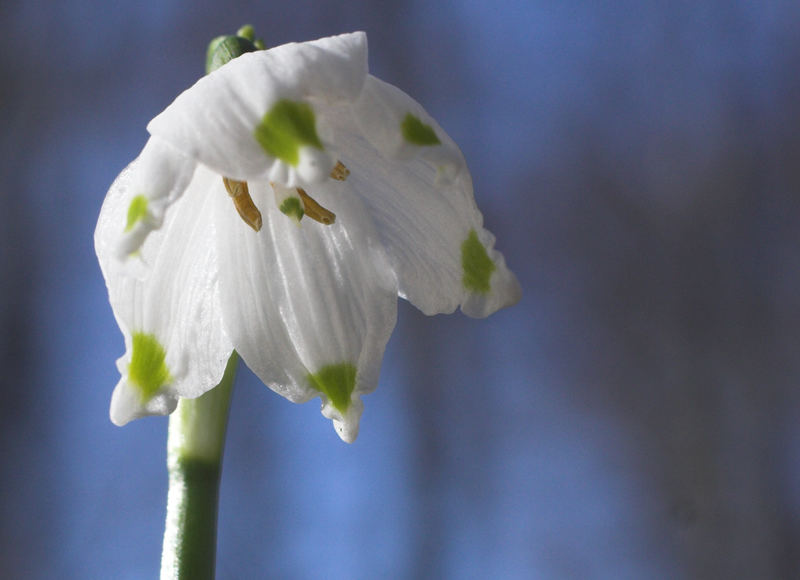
(243, 202)
(339, 171)
(314, 210)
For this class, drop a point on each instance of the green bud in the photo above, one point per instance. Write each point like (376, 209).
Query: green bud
(247, 32)
(224, 49)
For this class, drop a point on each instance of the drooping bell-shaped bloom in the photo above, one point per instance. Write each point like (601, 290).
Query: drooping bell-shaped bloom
(279, 208)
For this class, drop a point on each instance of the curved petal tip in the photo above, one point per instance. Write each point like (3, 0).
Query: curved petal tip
(127, 405)
(345, 425)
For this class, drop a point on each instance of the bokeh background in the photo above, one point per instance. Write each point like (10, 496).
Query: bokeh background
(635, 416)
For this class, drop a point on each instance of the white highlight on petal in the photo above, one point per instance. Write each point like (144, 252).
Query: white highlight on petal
(314, 166)
(346, 426)
(126, 404)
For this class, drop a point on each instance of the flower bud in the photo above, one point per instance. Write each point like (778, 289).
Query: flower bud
(224, 49)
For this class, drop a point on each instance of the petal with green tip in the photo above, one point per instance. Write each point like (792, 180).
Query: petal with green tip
(477, 265)
(148, 370)
(137, 210)
(423, 225)
(304, 299)
(287, 127)
(165, 299)
(336, 382)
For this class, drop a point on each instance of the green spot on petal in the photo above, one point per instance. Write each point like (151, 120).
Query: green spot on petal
(293, 207)
(418, 133)
(477, 265)
(288, 126)
(147, 369)
(336, 382)
(137, 210)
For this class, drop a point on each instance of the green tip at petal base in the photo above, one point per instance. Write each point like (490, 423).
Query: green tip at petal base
(337, 383)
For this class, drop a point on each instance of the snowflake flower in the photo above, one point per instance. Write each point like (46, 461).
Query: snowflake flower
(280, 206)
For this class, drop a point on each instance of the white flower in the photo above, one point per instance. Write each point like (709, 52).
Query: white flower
(308, 304)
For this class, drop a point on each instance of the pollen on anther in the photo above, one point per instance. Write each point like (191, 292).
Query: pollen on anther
(314, 210)
(243, 202)
(339, 171)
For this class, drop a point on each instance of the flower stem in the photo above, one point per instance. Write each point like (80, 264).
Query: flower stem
(194, 463)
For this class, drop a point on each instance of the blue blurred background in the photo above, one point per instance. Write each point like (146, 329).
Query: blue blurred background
(635, 416)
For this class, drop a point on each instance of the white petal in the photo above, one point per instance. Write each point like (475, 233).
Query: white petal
(215, 120)
(154, 181)
(425, 225)
(398, 127)
(298, 299)
(127, 404)
(172, 298)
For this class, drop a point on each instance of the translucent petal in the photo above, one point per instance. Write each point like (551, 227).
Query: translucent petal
(305, 303)
(424, 223)
(215, 120)
(165, 298)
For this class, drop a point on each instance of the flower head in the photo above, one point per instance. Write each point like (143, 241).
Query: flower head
(280, 206)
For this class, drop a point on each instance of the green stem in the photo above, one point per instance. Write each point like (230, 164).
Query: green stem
(194, 462)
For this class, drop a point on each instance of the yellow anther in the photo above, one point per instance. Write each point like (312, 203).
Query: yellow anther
(339, 171)
(243, 202)
(314, 210)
